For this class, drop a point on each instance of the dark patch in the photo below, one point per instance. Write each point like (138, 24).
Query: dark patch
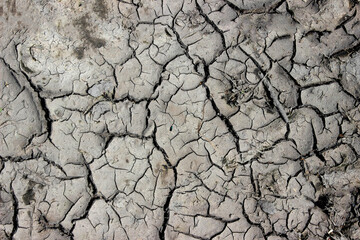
(324, 203)
(100, 9)
(1, 10)
(87, 32)
(258, 73)
(231, 98)
(79, 52)
(83, 24)
(164, 173)
(321, 3)
(304, 236)
(97, 42)
(13, 7)
(28, 196)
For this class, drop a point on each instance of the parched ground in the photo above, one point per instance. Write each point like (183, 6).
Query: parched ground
(170, 119)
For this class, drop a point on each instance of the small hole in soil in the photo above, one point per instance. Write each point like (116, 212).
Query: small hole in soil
(324, 203)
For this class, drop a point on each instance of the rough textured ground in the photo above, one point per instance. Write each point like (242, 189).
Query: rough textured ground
(194, 119)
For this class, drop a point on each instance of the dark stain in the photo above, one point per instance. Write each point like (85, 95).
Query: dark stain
(11, 6)
(321, 2)
(304, 236)
(324, 203)
(100, 8)
(87, 33)
(1, 10)
(230, 98)
(82, 23)
(28, 196)
(164, 173)
(79, 52)
(97, 42)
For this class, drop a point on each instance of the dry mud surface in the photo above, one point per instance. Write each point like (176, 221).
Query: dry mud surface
(193, 119)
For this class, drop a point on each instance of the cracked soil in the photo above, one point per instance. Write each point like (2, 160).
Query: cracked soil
(179, 119)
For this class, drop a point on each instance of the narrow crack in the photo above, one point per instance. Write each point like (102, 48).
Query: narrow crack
(15, 208)
(166, 214)
(42, 104)
(172, 190)
(269, 66)
(269, 87)
(227, 122)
